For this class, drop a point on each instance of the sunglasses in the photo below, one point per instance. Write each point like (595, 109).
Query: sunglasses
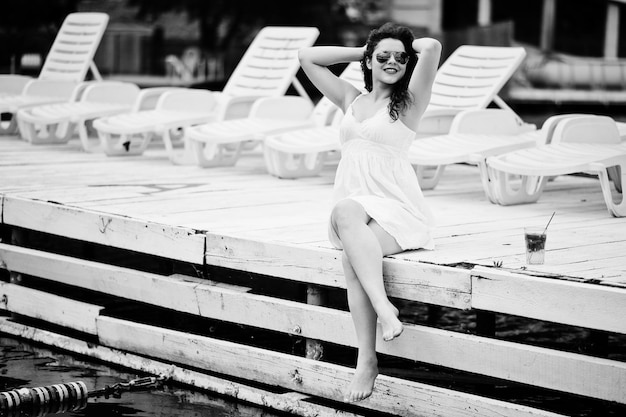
(400, 57)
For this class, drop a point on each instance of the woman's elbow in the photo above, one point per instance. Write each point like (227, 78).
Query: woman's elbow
(304, 55)
(427, 45)
(433, 46)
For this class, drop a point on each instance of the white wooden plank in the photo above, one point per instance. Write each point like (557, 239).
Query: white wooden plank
(391, 395)
(176, 292)
(306, 233)
(573, 303)
(54, 309)
(422, 282)
(578, 374)
(289, 403)
(141, 236)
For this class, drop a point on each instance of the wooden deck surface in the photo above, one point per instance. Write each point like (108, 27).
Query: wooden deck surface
(584, 241)
(242, 218)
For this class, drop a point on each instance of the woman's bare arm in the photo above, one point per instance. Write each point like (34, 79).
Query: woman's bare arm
(429, 53)
(315, 62)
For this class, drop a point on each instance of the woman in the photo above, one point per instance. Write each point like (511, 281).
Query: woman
(379, 208)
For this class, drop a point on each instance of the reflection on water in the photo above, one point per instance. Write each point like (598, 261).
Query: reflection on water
(25, 365)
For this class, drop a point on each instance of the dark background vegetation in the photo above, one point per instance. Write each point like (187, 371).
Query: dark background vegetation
(29, 26)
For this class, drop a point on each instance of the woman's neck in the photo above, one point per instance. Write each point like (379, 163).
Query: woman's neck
(381, 92)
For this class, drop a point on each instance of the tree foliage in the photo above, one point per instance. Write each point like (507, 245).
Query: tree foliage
(21, 15)
(224, 22)
(30, 25)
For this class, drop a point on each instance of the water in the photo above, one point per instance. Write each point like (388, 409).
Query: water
(23, 364)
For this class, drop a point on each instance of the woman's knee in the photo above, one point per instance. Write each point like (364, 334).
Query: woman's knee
(347, 213)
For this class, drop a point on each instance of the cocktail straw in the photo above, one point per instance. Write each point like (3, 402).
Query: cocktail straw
(544, 230)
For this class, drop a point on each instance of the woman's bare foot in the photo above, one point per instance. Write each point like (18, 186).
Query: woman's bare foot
(362, 383)
(391, 325)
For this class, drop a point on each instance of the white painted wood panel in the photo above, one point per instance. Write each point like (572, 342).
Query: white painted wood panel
(568, 372)
(289, 402)
(51, 308)
(392, 395)
(578, 304)
(122, 232)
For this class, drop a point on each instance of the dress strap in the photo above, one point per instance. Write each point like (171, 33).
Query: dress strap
(355, 100)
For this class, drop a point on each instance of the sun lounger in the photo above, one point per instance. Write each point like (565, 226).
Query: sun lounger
(220, 143)
(13, 84)
(65, 67)
(267, 69)
(302, 153)
(57, 123)
(475, 135)
(589, 144)
(469, 79)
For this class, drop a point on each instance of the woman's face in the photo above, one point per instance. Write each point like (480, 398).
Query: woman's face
(389, 61)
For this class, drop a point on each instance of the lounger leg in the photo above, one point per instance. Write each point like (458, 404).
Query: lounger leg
(137, 144)
(27, 131)
(288, 165)
(506, 189)
(617, 209)
(210, 155)
(89, 145)
(179, 149)
(176, 136)
(8, 127)
(62, 132)
(428, 176)
(46, 134)
(615, 175)
(124, 145)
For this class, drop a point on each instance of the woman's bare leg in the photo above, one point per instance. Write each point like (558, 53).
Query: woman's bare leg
(365, 243)
(364, 319)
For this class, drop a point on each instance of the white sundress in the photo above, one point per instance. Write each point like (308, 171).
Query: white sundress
(375, 172)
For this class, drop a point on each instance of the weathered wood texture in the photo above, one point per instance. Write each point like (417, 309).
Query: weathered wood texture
(244, 219)
(407, 279)
(49, 307)
(575, 303)
(588, 376)
(244, 202)
(289, 402)
(393, 395)
(112, 230)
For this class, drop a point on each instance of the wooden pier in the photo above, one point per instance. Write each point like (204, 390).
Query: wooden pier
(224, 279)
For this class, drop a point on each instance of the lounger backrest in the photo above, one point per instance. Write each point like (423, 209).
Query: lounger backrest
(270, 63)
(587, 129)
(74, 47)
(325, 110)
(473, 75)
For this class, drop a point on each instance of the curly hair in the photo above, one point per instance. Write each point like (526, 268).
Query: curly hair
(401, 98)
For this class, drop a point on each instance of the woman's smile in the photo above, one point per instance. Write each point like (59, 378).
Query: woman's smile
(389, 48)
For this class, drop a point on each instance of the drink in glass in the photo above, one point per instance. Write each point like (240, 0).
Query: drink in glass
(535, 245)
